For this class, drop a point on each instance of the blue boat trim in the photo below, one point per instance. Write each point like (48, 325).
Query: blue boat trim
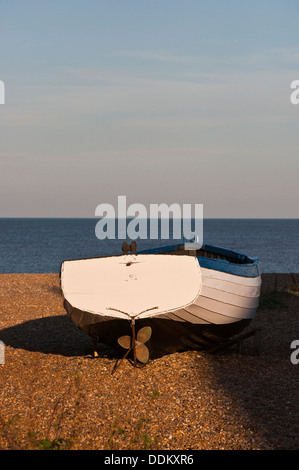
(243, 270)
(243, 266)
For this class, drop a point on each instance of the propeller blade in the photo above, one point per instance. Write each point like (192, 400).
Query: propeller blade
(124, 341)
(144, 334)
(142, 353)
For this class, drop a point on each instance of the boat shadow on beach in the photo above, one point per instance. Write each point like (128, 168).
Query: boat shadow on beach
(57, 335)
(53, 335)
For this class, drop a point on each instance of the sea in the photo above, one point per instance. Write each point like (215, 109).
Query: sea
(37, 245)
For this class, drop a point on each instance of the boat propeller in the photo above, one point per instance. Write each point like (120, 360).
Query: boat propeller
(141, 351)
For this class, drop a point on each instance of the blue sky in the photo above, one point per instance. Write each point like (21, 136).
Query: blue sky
(161, 101)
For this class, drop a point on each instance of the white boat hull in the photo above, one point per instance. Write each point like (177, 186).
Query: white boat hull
(224, 298)
(185, 304)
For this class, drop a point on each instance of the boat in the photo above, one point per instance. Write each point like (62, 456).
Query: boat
(162, 300)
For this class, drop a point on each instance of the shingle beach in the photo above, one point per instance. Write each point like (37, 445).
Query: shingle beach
(53, 394)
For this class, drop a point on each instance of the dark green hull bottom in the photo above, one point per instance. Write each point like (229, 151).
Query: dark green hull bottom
(167, 336)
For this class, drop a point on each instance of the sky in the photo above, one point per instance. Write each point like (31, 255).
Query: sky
(161, 101)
